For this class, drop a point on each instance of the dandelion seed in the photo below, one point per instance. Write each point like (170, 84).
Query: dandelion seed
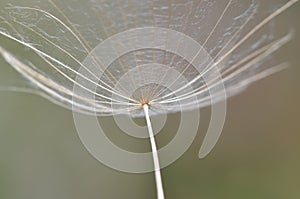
(142, 58)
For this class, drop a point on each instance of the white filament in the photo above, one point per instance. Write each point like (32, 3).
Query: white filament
(158, 179)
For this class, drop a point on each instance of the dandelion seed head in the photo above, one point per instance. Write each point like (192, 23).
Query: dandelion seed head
(234, 47)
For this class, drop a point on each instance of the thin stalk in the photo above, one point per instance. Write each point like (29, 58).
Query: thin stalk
(158, 179)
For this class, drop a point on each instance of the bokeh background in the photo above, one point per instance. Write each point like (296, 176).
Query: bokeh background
(257, 156)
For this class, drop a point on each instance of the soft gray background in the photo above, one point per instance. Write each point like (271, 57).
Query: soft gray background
(257, 156)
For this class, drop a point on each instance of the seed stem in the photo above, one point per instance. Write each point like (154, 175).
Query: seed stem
(158, 179)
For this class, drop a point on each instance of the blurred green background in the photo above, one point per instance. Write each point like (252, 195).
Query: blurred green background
(257, 156)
